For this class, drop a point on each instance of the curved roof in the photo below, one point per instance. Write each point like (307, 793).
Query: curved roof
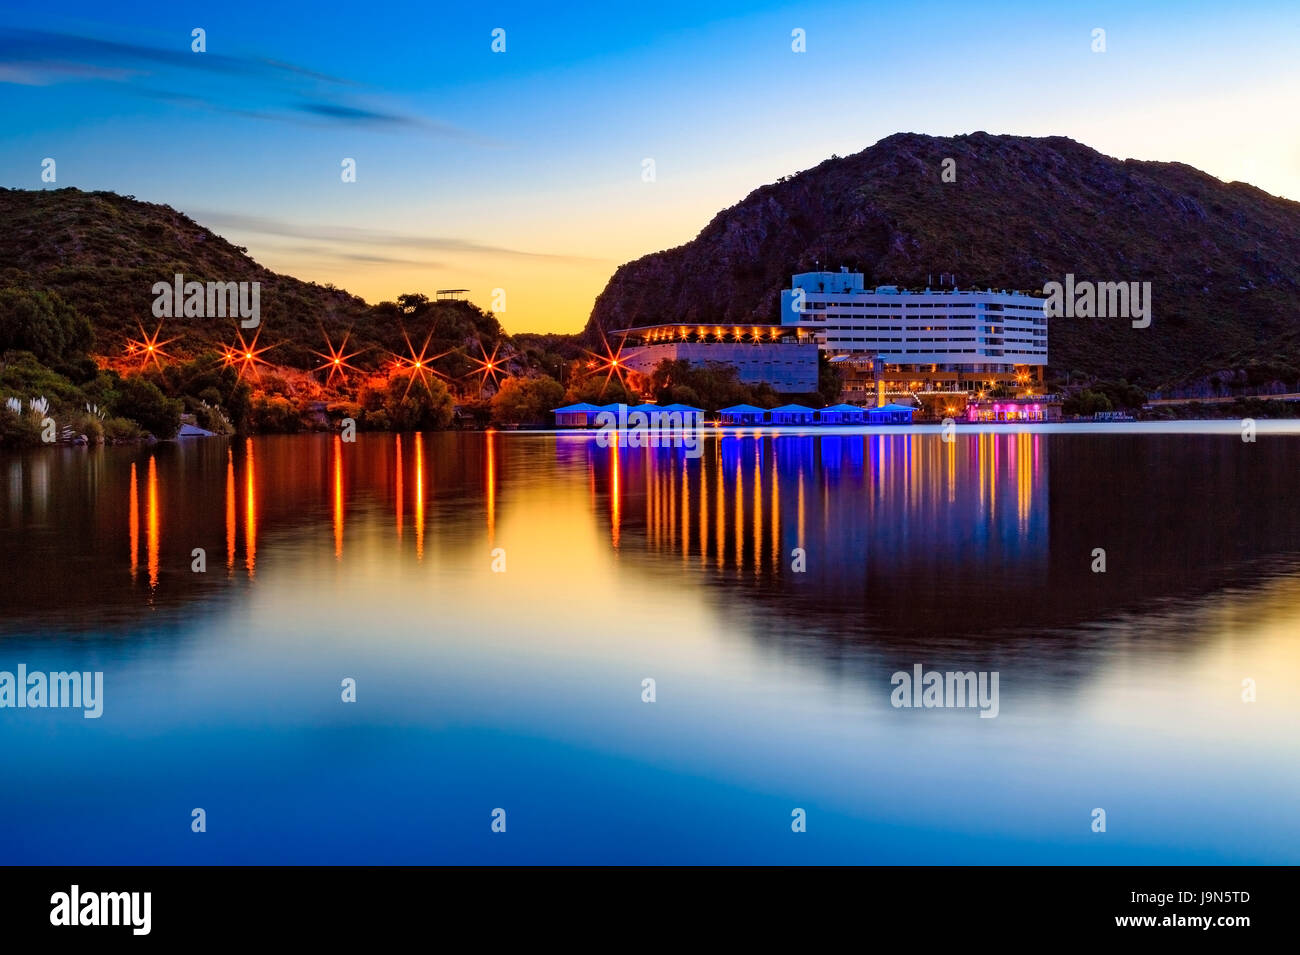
(743, 409)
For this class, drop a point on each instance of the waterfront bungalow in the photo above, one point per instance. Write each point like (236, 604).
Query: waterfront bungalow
(581, 415)
(650, 410)
(890, 414)
(1026, 408)
(742, 415)
(679, 415)
(842, 414)
(793, 414)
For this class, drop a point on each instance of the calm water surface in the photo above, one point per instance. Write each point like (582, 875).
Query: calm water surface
(522, 690)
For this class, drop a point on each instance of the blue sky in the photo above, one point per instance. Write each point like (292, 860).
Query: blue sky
(522, 170)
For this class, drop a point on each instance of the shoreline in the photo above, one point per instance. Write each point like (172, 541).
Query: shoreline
(1207, 426)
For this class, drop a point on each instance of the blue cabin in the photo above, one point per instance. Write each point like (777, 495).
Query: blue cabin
(742, 415)
(581, 415)
(792, 414)
(842, 414)
(688, 415)
(890, 414)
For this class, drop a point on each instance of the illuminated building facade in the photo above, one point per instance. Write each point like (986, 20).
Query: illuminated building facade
(890, 342)
(761, 354)
(1023, 409)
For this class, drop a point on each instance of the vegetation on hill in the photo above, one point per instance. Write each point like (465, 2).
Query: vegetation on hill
(80, 344)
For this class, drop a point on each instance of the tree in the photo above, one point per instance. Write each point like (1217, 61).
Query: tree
(143, 403)
(712, 385)
(526, 400)
(595, 390)
(417, 405)
(43, 324)
(1086, 403)
(830, 379)
(1121, 394)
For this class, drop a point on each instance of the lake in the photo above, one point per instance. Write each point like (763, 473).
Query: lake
(502, 599)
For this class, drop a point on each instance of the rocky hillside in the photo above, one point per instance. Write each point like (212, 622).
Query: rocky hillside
(1223, 258)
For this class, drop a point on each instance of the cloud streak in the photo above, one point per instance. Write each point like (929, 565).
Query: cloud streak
(371, 238)
(310, 97)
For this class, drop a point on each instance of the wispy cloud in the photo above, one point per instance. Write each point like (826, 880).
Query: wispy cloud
(318, 253)
(355, 238)
(236, 85)
(55, 53)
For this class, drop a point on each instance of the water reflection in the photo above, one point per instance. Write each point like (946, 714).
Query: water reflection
(338, 497)
(901, 534)
(250, 510)
(154, 523)
(883, 503)
(771, 584)
(133, 508)
(231, 516)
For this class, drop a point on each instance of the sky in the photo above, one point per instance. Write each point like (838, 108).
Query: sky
(524, 170)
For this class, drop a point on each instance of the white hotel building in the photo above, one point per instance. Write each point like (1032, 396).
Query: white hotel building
(947, 340)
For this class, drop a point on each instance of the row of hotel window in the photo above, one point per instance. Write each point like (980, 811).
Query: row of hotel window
(963, 351)
(1034, 347)
(1030, 310)
(876, 338)
(900, 325)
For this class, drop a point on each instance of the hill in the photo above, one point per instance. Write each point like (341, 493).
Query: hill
(1223, 258)
(103, 252)
(77, 277)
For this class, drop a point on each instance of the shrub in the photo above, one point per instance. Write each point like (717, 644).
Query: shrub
(418, 408)
(121, 429)
(526, 400)
(18, 430)
(142, 402)
(43, 324)
(275, 414)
